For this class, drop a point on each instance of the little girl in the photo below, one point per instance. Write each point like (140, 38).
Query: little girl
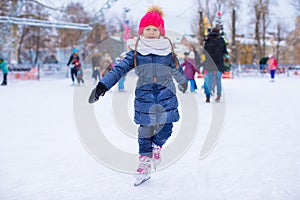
(156, 105)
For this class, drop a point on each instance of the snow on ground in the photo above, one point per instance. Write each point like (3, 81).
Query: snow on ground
(257, 156)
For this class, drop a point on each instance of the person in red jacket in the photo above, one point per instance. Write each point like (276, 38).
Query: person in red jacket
(272, 66)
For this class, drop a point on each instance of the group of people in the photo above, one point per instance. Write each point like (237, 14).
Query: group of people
(268, 64)
(101, 65)
(213, 67)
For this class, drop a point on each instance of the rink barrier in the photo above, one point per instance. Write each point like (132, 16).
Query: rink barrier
(38, 71)
(255, 70)
(225, 75)
(60, 71)
(23, 71)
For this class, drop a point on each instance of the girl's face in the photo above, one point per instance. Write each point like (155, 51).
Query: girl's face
(151, 32)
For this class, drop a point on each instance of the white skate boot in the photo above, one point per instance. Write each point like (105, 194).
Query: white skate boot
(143, 171)
(156, 158)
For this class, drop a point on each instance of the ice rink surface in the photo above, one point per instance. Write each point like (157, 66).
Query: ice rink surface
(256, 157)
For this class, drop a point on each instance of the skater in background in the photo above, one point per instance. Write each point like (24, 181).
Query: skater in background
(71, 64)
(215, 49)
(79, 72)
(106, 65)
(263, 64)
(189, 70)
(4, 69)
(156, 105)
(193, 54)
(272, 66)
(96, 58)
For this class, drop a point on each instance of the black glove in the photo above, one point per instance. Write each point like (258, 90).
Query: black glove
(97, 92)
(183, 87)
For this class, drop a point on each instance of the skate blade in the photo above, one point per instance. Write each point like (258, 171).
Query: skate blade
(140, 180)
(155, 163)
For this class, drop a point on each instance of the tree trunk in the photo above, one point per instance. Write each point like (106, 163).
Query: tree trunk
(264, 27)
(37, 49)
(201, 29)
(233, 34)
(257, 34)
(25, 31)
(278, 40)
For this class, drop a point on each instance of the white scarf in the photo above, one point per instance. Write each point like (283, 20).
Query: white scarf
(160, 46)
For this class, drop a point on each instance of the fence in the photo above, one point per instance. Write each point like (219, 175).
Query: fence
(23, 71)
(39, 71)
(255, 70)
(59, 71)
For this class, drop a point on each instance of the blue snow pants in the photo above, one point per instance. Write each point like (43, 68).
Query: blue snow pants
(153, 134)
(272, 73)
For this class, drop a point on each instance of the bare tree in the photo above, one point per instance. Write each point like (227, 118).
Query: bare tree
(206, 15)
(208, 9)
(5, 28)
(32, 39)
(4, 7)
(261, 20)
(233, 35)
(234, 5)
(296, 4)
(201, 29)
(280, 36)
(75, 13)
(257, 29)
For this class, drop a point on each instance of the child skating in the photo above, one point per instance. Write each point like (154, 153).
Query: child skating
(156, 105)
(4, 69)
(79, 72)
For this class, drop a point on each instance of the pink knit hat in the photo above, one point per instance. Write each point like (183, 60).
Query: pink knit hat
(153, 17)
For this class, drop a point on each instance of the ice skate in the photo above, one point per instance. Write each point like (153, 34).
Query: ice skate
(207, 99)
(156, 158)
(218, 99)
(143, 171)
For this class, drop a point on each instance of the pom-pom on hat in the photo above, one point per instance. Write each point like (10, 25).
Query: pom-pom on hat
(154, 17)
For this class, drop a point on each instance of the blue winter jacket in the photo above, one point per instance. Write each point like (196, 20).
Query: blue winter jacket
(155, 93)
(4, 67)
